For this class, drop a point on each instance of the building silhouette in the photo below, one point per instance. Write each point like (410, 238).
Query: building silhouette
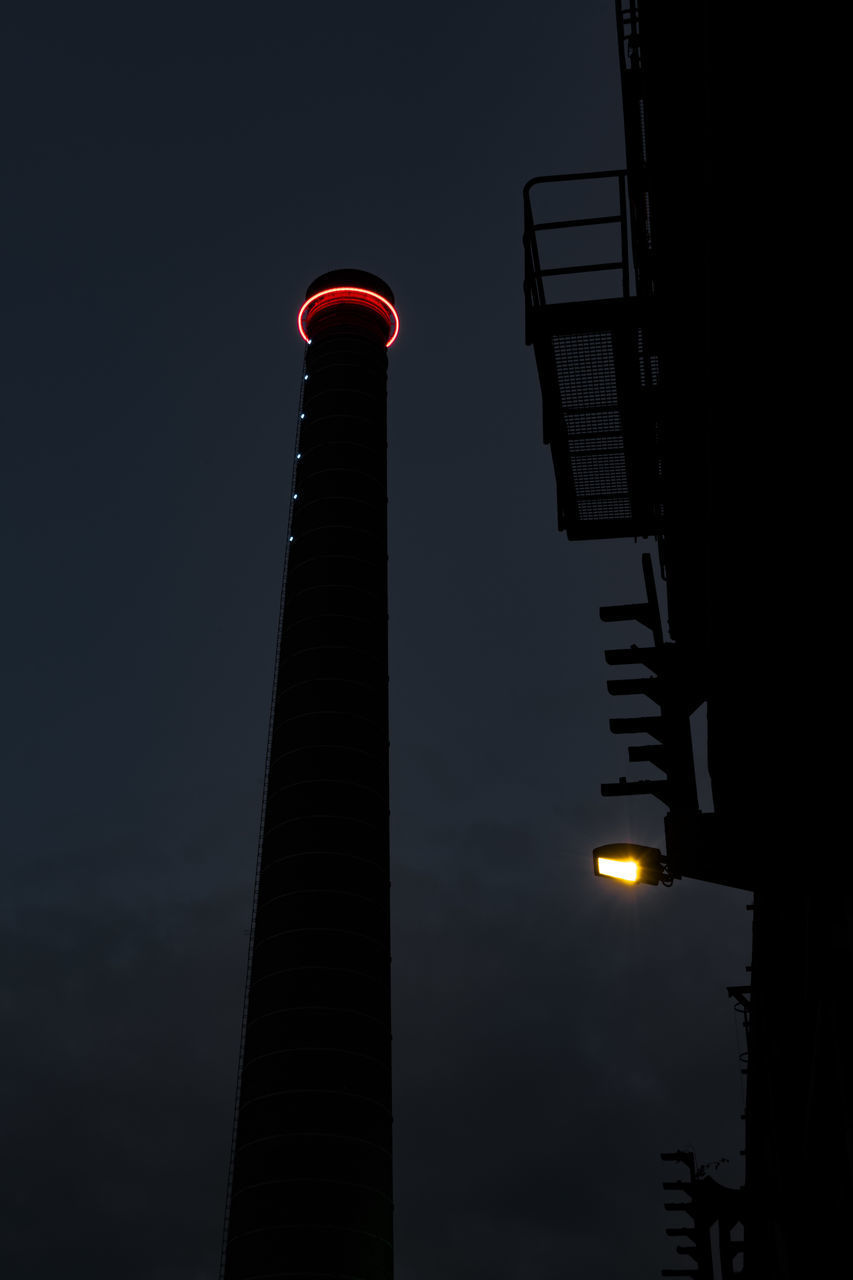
(678, 369)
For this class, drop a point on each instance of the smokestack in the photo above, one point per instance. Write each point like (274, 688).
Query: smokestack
(310, 1187)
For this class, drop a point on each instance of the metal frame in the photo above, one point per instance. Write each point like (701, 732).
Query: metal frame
(535, 274)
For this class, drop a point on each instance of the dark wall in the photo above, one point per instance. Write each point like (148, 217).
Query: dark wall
(737, 153)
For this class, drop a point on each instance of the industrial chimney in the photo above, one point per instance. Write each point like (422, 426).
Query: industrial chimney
(310, 1184)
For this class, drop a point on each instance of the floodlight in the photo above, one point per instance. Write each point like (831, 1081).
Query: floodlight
(635, 863)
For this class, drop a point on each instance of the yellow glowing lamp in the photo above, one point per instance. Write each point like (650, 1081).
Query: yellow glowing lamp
(619, 868)
(636, 863)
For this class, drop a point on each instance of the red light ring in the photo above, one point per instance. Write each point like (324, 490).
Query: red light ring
(365, 296)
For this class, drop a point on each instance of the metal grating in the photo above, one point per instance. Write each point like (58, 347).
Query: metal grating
(592, 421)
(597, 368)
(586, 370)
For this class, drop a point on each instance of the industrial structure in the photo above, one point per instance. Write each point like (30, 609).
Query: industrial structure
(669, 372)
(310, 1189)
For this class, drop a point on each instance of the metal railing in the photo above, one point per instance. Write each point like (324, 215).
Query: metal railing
(535, 274)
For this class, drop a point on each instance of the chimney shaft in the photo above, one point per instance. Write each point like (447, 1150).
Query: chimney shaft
(311, 1187)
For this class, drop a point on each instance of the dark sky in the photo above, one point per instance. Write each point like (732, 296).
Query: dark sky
(175, 176)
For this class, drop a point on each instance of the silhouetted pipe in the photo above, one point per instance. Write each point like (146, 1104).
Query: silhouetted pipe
(311, 1187)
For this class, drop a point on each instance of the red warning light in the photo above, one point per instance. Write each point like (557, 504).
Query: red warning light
(349, 293)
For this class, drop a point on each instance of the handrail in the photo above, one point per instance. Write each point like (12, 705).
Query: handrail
(534, 273)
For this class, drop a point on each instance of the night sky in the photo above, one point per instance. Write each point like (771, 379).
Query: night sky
(175, 176)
